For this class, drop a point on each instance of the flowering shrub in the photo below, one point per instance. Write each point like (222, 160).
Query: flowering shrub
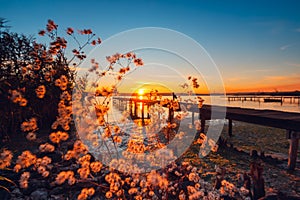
(35, 79)
(41, 78)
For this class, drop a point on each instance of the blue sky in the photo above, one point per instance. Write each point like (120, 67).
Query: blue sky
(255, 44)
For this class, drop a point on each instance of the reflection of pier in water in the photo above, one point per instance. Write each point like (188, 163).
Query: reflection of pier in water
(278, 119)
(134, 105)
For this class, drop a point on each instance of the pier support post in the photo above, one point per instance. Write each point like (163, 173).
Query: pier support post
(130, 107)
(202, 125)
(135, 109)
(230, 127)
(193, 118)
(294, 141)
(143, 112)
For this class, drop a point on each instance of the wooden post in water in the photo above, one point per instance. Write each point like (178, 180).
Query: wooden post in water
(230, 127)
(256, 172)
(148, 114)
(135, 108)
(202, 125)
(193, 118)
(143, 118)
(130, 107)
(294, 141)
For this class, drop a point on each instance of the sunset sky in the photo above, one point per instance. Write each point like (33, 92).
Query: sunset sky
(255, 44)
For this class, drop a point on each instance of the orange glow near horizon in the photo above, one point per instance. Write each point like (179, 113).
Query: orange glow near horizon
(263, 88)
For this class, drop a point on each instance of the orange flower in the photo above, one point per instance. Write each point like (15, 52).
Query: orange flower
(96, 166)
(31, 136)
(70, 31)
(42, 32)
(24, 179)
(17, 168)
(54, 138)
(71, 181)
(99, 40)
(60, 178)
(40, 91)
(23, 102)
(82, 196)
(91, 191)
(63, 87)
(64, 136)
(117, 139)
(46, 147)
(45, 174)
(138, 62)
(51, 25)
(93, 42)
(108, 194)
(47, 76)
(5, 158)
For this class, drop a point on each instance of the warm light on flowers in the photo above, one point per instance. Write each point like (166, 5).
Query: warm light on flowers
(25, 160)
(57, 137)
(175, 181)
(5, 158)
(46, 147)
(65, 175)
(23, 182)
(31, 136)
(30, 125)
(40, 91)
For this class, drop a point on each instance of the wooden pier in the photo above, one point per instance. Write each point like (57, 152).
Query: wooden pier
(132, 104)
(260, 98)
(284, 120)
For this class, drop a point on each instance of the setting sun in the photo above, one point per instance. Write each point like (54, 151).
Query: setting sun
(141, 92)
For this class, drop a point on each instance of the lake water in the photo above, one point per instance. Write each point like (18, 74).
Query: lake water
(285, 106)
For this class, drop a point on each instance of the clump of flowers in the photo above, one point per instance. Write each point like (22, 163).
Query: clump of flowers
(25, 160)
(5, 158)
(78, 149)
(62, 82)
(40, 91)
(30, 125)
(46, 147)
(57, 137)
(16, 97)
(65, 175)
(64, 112)
(42, 166)
(85, 193)
(24, 180)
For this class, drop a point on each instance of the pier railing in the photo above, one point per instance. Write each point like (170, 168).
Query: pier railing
(260, 98)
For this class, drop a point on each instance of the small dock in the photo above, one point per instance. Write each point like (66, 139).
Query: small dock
(284, 120)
